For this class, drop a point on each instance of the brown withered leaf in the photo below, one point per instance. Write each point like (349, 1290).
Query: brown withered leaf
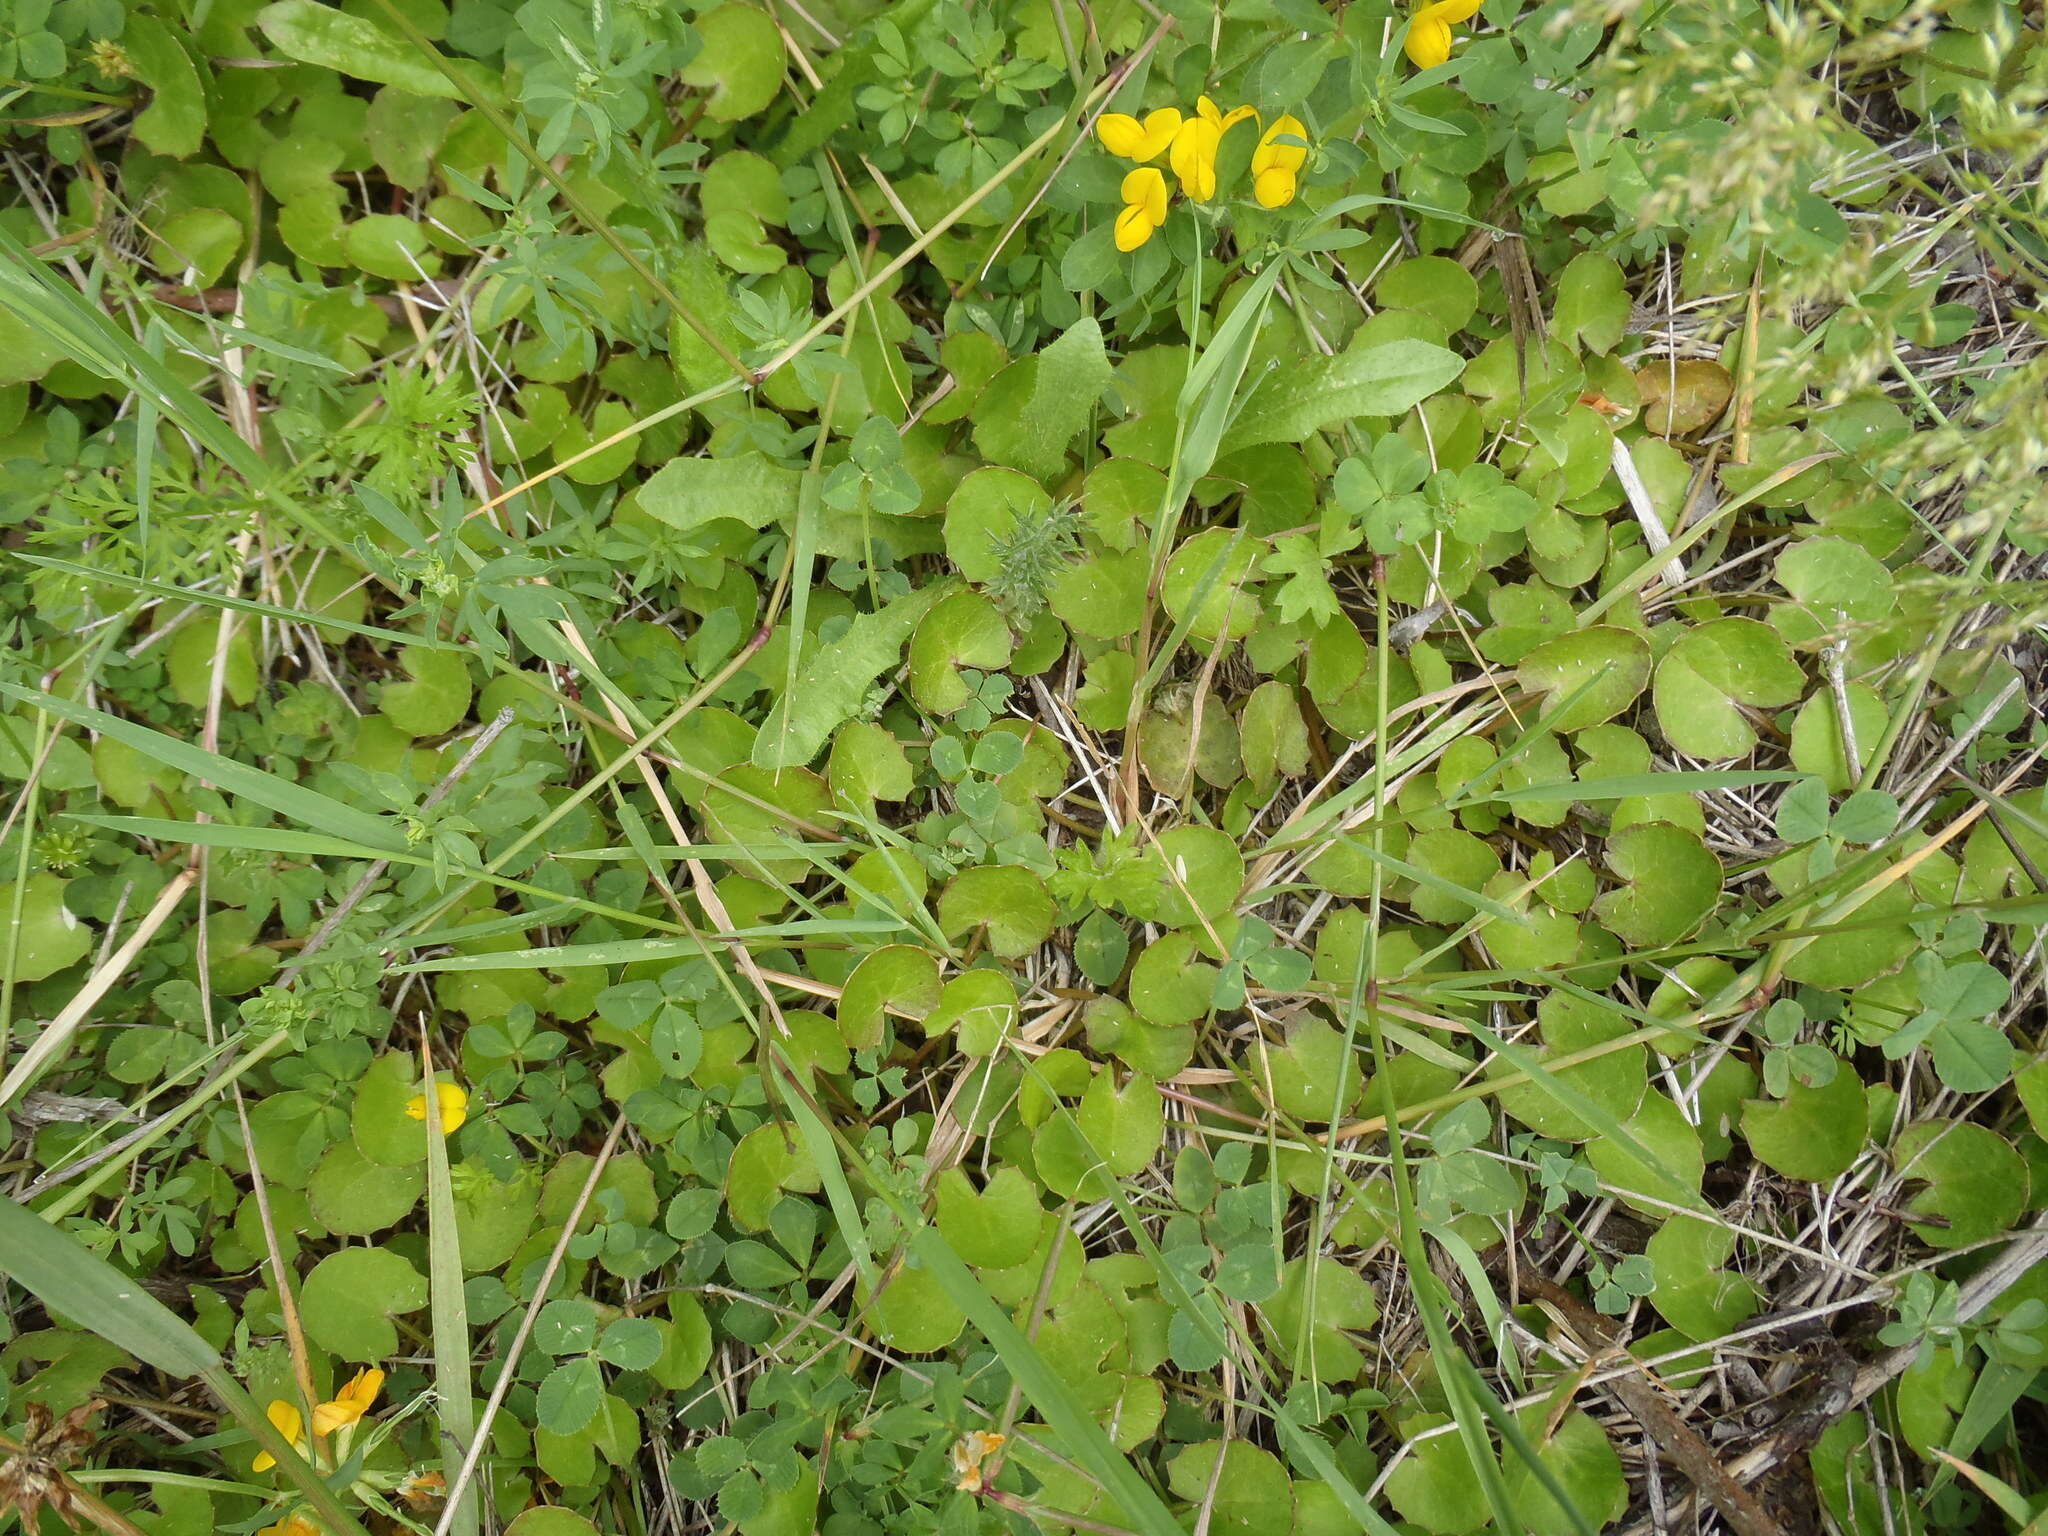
(1683, 397)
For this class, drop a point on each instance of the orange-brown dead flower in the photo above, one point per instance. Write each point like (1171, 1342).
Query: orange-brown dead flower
(32, 1477)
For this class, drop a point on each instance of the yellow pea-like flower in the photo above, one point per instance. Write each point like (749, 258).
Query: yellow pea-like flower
(1144, 193)
(1128, 139)
(286, 1419)
(454, 1110)
(350, 1403)
(1193, 157)
(1276, 167)
(1429, 36)
(1223, 120)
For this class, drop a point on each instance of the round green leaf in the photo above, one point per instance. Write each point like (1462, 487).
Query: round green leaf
(1436, 1486)
(549, 1520)
(1813, 1133)
(768, 1160)
(1208, 584)
(350, 1298)
(1677, 1164)
(49, 936)
(387, 246)
(896, 976)
(1437, 286)
(1316, 1343)
(1250, 1494)
(437, 698)
(1008, 903)
(1671, 882)
(1613, 1080)
(1589, 676)
(996, 1226)
(354, 1197)
(963, 629)
(1169, 985)
(383, 1131)
(1976, 1184)
(1200, 873)
(1711, 674)
(914, 1313)
(980, 1006)
(740, 63)
(1581, 1460)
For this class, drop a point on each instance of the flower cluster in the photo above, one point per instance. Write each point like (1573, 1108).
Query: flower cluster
(349, 1405)
(1190, 145)
(1429, 36)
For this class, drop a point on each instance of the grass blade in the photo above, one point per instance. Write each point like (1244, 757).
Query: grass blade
(448, 1309)
(300, 804)
(146, 587)
(55, 1268)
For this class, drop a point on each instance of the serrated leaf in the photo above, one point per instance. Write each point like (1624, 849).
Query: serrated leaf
(1290, 404)
(750, 488)
(1046, 400)
(833, 685)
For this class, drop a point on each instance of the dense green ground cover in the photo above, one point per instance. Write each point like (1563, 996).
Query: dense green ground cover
(934, 676)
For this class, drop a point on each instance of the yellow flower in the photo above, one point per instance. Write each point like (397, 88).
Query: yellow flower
(287, 1421)
(291, 1525)
(1224, 120)
(969, 1452)
(454, 1110)
(1144, 208)
(1193, 157)
(1128, 139)
(1429, 31)
(1275, 166)
(352, 1401)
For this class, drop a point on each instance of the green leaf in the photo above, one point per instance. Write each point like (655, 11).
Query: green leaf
(1123, 1124)
(174, 122)
(1590, 676)
(1290, 404)
(570, 1396)
(1578, 1454)
(1309, 1317)
(350, 1298)
(354, 1197)
(350, 45)
(1033, 409)
(1813, 1133)
(995, 1227)
(437, 698)
(1711, 674)
(914, 1313)
(80, 1285)
(1612, 1083)
(750, 488)
(834, 683)
(1672, 881)
(48, 936)
(1592, 303)
(740, 62)
(1976, 1183)
(1245, 1489)
(549, 1520)
(1010, 903)
(307, 806)
(895, 976)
